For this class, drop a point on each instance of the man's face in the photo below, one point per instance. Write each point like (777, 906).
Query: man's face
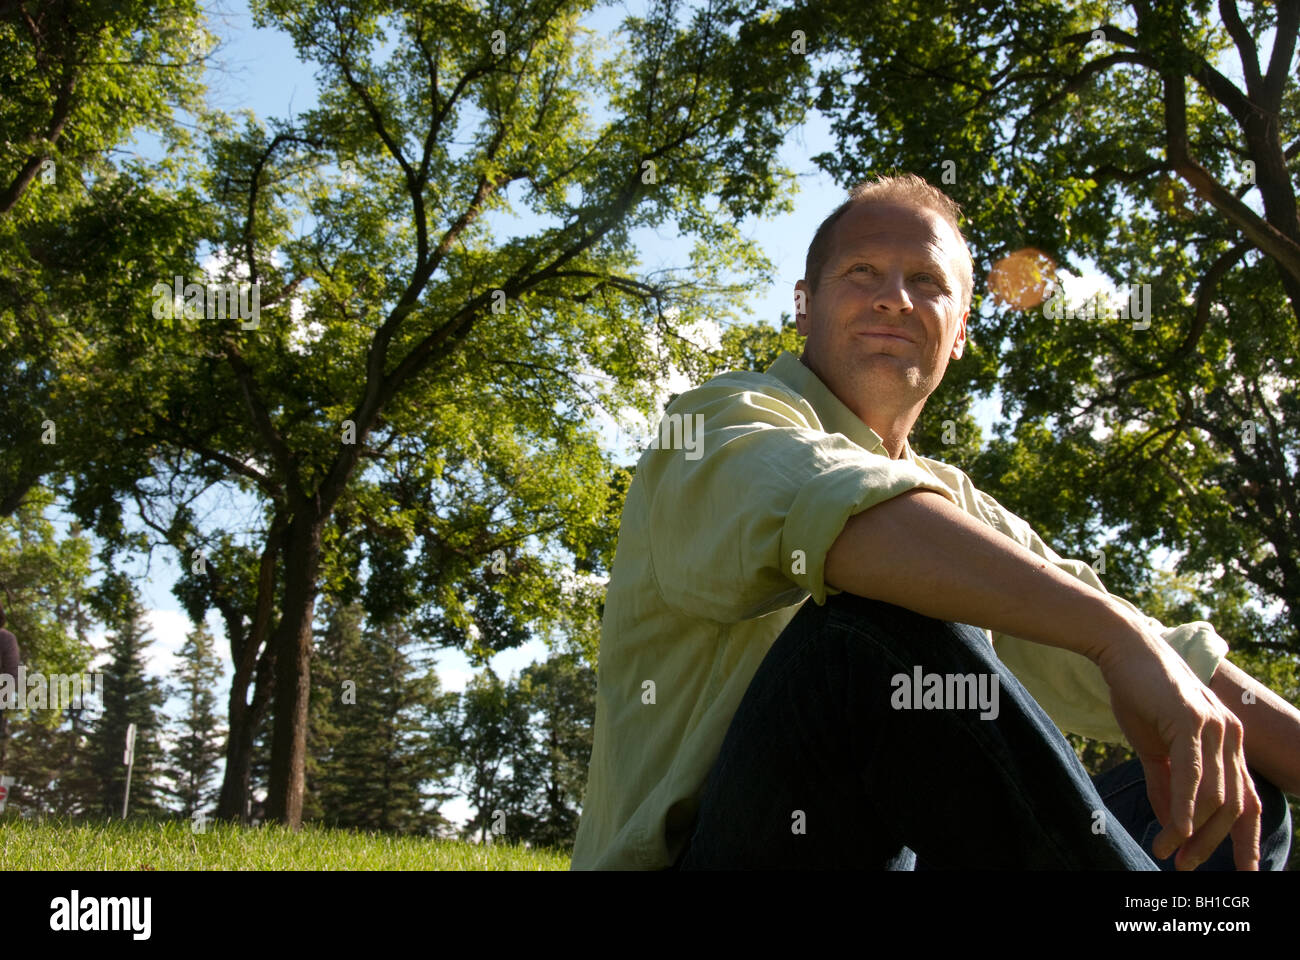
(887, 315)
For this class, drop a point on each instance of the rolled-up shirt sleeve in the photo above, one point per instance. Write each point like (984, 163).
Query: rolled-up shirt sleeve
(1067, 685)
(741, 519)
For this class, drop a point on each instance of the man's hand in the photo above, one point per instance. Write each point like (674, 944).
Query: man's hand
(1190, 746)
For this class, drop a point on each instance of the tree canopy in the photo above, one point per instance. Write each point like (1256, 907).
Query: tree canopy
(1159, 143)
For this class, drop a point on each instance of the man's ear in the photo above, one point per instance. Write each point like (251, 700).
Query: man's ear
(960, 343)
(801, 297)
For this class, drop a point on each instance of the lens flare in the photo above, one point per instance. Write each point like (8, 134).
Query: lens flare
(1020, 279)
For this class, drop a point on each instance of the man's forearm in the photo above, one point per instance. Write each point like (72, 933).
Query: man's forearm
(1271, 725)
(920, 552)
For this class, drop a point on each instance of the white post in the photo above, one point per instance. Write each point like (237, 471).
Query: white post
(129, 759)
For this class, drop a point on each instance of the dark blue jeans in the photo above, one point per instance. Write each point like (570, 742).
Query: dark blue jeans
(838, 759)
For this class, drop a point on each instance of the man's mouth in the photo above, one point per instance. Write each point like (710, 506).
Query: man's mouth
(886, 335)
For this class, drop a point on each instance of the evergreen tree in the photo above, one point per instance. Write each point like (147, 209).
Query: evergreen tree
(198, 747)
(259, 776)
(49, 761)
(130, 696)
(335, 657)
(76, 784)
(388, 756)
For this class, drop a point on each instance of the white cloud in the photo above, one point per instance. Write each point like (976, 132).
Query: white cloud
(164, 636)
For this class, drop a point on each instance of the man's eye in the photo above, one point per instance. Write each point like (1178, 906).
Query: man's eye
(862, 266)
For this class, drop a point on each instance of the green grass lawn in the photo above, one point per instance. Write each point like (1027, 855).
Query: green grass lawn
(171, 845)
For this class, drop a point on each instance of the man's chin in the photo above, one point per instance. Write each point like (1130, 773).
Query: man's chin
(902, 369)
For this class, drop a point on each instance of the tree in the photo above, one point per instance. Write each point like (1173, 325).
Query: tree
(197, 745)
(50, 764)
(79, 228)
(435, 387)
(491, 730)
(130, 696)
(388, 753)
(1112, 134)
(549, 771)
(336, 658)
(46, 594)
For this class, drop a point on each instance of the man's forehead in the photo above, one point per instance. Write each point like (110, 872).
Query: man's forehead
(891, 225)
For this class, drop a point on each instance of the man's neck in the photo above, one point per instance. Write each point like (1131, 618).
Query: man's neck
(892, 429)
(893, 442)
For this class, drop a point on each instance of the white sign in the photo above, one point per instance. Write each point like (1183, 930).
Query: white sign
(130, 745)
(127, 759)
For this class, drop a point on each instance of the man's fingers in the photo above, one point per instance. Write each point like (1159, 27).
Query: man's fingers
(1212, 793)
(1184, 778)
(1233, 809)
(1239, 816)
(1205, 841)
(1157, 777)
(1247, 830)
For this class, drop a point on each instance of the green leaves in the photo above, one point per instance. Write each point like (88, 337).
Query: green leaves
(1123, 436)
(43, 588)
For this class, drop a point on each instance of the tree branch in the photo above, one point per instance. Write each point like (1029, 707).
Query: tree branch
(1261, 233)
(261, 419)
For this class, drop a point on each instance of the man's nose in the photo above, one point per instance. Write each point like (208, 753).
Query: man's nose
(891, 293)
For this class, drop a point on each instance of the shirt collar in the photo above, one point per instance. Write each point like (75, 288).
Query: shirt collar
(831, 411)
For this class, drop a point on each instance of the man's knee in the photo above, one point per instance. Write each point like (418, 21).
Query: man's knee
(1274, 822)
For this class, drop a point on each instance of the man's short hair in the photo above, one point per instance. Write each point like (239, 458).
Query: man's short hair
(907, 190)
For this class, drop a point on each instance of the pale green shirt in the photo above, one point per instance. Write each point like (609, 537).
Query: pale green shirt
(720, 543)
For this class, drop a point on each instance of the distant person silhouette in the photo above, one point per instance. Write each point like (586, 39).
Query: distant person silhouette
(8, 664)
(8, 649)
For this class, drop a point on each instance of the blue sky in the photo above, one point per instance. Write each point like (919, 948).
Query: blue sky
(258, 70)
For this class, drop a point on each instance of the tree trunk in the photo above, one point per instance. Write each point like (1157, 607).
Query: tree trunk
(293, 642)
(233, 803)
(244, 717)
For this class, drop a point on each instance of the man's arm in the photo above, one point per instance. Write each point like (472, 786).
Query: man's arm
(919, 551)
(1272, 725)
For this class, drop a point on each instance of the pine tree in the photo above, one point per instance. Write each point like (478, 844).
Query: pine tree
(49, 762)
(335, 657)
(198, 747)
(259, 771)
(78, 788)
(130, 696)
(387, 757)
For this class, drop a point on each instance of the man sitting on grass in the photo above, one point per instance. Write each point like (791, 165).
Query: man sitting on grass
(738, 726)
